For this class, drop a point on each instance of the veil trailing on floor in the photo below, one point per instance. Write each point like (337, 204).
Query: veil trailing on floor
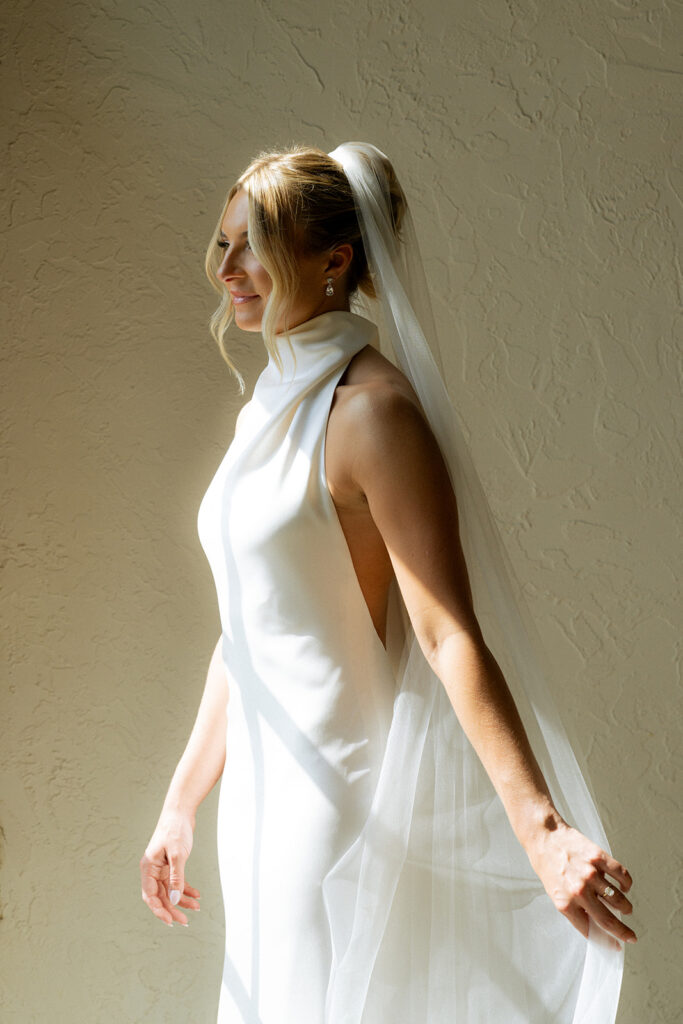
(437, 855)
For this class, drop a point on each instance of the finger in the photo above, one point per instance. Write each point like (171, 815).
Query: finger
(188, 902)
(616, 870)
(156, 906)
(153, 875)
(172, 909)
(581, 922)
(578, 917)
(608, 921)
(613, 897)
(176, 877)
(150, 874)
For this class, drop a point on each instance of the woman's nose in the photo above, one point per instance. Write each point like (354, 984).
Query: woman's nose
(226, 268)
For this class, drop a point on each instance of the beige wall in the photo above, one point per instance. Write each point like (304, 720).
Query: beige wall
(538, 143)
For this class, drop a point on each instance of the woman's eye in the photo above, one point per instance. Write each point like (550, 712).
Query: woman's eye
(224, 245)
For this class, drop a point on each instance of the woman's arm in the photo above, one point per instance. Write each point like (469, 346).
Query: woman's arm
(570, 866)
(201, 764)
(397, 464)
(162, 866)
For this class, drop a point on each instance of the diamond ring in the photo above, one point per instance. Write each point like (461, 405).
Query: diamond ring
(609, 891)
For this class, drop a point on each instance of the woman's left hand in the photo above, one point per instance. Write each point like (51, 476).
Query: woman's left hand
(572, 869)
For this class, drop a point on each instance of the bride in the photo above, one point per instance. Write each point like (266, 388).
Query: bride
(447, 885)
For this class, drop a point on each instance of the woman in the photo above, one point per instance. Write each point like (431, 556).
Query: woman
(390, 846)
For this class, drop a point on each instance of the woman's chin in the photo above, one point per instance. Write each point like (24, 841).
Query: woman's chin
(248, 315)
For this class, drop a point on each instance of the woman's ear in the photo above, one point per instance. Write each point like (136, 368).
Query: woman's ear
(340, 259)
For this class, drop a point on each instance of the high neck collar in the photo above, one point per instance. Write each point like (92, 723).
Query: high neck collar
(323, 340)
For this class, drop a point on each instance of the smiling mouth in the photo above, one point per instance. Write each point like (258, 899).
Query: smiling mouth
(240, 299)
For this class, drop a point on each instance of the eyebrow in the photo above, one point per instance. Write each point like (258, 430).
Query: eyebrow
(223, 234)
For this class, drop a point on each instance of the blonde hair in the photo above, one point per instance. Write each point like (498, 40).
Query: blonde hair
(299, 203)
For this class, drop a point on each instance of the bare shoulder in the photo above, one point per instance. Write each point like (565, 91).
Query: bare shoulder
(373, 403)
(367, 372)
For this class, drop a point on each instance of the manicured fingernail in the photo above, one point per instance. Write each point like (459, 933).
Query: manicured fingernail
(175, 896)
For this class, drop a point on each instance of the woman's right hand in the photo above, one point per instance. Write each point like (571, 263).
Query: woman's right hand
(162, 869)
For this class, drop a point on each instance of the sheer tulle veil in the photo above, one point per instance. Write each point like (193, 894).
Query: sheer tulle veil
(489, 942)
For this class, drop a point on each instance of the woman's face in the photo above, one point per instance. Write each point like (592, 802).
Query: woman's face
(250, 285)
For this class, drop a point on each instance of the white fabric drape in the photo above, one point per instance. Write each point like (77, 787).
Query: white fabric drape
(490, 946)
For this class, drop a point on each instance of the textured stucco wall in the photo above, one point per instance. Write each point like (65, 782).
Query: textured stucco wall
(540, 143)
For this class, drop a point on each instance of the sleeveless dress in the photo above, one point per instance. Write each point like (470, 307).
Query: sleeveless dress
(325, 922)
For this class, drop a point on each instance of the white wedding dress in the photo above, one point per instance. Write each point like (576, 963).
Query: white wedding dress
(352, 896)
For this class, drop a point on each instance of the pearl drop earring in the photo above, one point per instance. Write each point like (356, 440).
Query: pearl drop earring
(329, 290)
